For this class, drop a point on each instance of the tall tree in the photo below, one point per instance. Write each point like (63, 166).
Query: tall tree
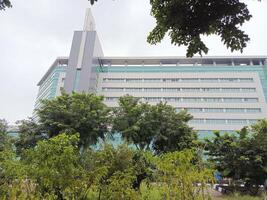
(82, 113)
(172, 130)
(158, 127)
(134, 120)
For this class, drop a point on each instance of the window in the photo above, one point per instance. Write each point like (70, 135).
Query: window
(209, 80)
(246, 80)
(237, 121)
(227, 80)
(151, 80)
(214, 110)
(192, 100)
(197, 121)
(251, 100)
(189, 80)
(191, 89)
(194, 110)
(170, 89)
(152, 89)
(253, 110)
(113, 89)
(212, 99)
(232, 100)
(234, 110)
(170, 80)
(215, 121)
(211, 89)
(133, 89)
(248, 89)
(134, 80)
(230, 89)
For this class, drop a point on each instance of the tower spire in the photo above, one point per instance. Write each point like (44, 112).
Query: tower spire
(89, 22)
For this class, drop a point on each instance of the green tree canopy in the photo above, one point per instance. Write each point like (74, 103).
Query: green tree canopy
(241, 156)
(30, 132)
(157, 126)
(82, 113)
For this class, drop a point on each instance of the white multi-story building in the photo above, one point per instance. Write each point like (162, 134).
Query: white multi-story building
(222, 93)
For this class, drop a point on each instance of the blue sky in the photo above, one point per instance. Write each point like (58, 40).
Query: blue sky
(33, 34)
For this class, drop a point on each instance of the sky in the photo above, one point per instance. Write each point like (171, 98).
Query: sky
(35, 33)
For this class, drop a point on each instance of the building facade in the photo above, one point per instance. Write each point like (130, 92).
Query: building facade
(222, 93)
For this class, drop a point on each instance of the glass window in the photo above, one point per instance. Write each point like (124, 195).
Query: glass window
(235, 110)
(192, 99)
(152, 89)
(215, 121)
(191, 89)
(253, 110)
(232, 100)
(212, 99)
(133, 89)
(251, 100)
(152, 80)
(134, 80)
(213, 110)
(170, 89)
(225, 80)
(211, 89)
(246, 80)
(237, 121)
(189, 80)
(248, 89)
(209, 80)
(197, 121)
(170, 80)
(194, 110)
(230, 89)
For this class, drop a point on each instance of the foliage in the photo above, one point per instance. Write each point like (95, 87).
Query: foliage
(82, 113)
(113, 172)
(134, 120)
(172, 130)
(157, 126)
(30, 132)
(242, 155)
(186, 21)
(51, 170)
(5, 4)
(5, 140)
(178, 176)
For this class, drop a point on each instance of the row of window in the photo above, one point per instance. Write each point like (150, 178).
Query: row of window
(111, 89)
(193, 99)
(223, 121)
(221, 110)
(173, 80)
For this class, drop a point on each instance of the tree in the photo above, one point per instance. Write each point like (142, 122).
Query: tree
(82, 113)
(134, 121)
(158, 127)
(172, 130)
(30, 132)
(5, 4)
(186, 21)
(177, 175)
(242, 156)
(54, 166)
(5, 140)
